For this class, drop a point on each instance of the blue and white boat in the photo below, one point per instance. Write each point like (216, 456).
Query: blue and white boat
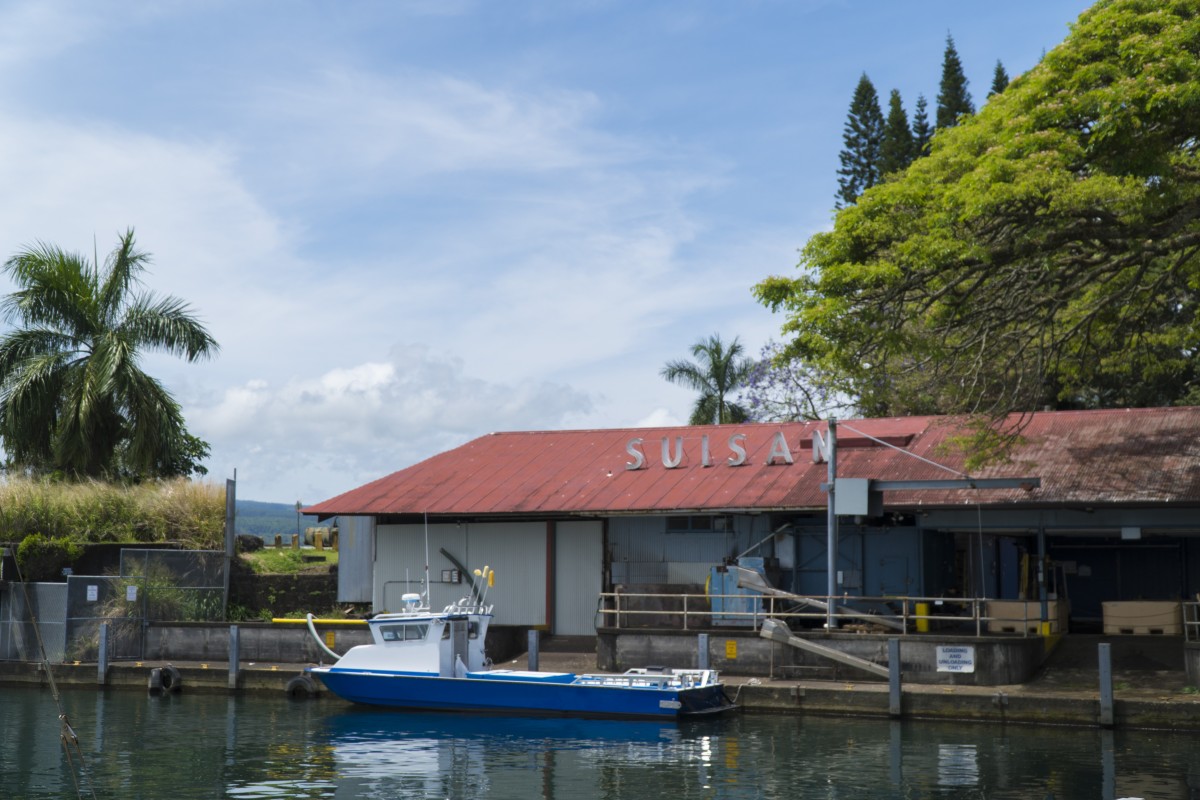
(421, 659)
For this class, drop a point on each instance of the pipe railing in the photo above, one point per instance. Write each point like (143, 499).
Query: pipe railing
(916, 614)
(1191, 621)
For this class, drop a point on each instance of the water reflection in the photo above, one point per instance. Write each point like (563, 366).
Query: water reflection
(203, 746)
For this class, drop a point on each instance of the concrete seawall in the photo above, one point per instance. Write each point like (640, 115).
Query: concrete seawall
(1151, 689)
(1135, 707)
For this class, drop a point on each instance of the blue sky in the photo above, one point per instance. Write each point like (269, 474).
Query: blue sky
(409, 224)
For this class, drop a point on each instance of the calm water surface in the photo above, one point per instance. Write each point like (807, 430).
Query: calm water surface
(210, 746)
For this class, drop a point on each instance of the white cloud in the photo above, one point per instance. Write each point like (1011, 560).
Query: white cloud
(353, 424)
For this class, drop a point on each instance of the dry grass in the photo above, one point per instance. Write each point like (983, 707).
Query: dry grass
(189, 512)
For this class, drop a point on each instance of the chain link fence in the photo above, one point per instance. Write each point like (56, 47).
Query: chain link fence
(152, 586)
(20, 606)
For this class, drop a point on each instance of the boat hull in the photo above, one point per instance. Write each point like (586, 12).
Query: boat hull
(531, 693)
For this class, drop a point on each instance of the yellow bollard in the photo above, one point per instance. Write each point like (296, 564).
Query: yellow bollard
(296, 542)
(318, 541)
(922, 617)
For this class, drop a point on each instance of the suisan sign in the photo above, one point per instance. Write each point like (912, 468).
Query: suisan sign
(674, 449)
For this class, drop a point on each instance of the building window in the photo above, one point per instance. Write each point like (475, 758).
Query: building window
(697, 523)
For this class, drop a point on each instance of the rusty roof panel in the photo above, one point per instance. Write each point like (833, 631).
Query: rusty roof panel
(1111, 456)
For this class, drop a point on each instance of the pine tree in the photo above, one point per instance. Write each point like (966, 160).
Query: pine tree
(999, 79)
(862, 136)
(953, 99)
(921, 132)
(896, 149)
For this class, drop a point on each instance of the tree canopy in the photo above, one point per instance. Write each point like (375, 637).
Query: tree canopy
(721, 371)
(1000, 79)
(922, 131)
(1043, 254)
(953, 100)
(73, 397)
(862, 137)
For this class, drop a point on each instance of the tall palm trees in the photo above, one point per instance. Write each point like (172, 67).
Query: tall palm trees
(73, 398)
(720, 371)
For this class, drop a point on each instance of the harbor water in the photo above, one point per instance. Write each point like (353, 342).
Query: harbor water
(193, 745)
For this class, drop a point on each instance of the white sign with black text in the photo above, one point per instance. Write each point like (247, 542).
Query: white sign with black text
(956, 658)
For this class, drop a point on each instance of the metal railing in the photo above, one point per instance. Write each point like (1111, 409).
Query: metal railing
(623, 610)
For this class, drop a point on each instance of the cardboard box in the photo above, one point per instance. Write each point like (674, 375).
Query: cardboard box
(1025, 616)
(1143, 618)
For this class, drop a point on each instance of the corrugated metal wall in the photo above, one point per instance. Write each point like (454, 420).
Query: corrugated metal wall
(516, 551)
(643, 552)
(578, 576)
(356, 556)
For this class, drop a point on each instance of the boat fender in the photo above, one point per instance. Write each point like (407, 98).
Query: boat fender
(164, 679)
(301, 687)
(172, 681)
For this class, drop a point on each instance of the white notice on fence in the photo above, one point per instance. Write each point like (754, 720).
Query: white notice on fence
(131, 593)
(956, 658)
(93, 593)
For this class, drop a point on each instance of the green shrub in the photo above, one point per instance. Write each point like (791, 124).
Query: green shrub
(42, 558)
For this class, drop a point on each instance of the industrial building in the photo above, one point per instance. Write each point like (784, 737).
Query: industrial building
(1091, 507)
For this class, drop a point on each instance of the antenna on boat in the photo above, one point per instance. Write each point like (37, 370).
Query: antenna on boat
(426, 556)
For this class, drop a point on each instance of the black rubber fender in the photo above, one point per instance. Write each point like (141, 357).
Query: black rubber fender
(172, 681)
(154, 684)
(302, 687)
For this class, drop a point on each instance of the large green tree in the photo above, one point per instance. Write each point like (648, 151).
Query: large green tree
(861, 137)
(953, 100)
(1047, 251)
(896, 150)
(721, 370)
(922, 131)
(73, 396)
(1000, 79)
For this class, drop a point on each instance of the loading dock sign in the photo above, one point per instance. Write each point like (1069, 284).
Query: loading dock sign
(956, 658)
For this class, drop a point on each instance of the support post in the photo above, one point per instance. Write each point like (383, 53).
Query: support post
(102, 658)
(1043, 598)
(894, 677)
(234, 656)
(831, 521)
(533, 650)
(1106, 685)
(702, 659)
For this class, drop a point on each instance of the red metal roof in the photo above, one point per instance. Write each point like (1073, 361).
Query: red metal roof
(1122, 456)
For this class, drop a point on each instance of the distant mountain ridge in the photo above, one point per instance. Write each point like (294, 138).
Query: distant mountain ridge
(267, 519)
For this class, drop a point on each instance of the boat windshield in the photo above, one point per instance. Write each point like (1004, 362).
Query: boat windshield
(404, 632)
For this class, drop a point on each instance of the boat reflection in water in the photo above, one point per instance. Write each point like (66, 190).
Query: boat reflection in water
(395, 754)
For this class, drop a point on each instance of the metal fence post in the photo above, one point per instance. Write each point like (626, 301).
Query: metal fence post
(235, 639)
(702, 658)
(1106, 685)
(533, 650)
(102, 657)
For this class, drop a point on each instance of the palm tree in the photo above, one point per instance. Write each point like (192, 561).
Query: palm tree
(73, 397)
(720, 372)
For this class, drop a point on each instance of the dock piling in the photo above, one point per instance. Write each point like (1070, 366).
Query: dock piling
(1106, 685)
(102, 657)
(234, 655)
(533, 651)
(894, 677)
